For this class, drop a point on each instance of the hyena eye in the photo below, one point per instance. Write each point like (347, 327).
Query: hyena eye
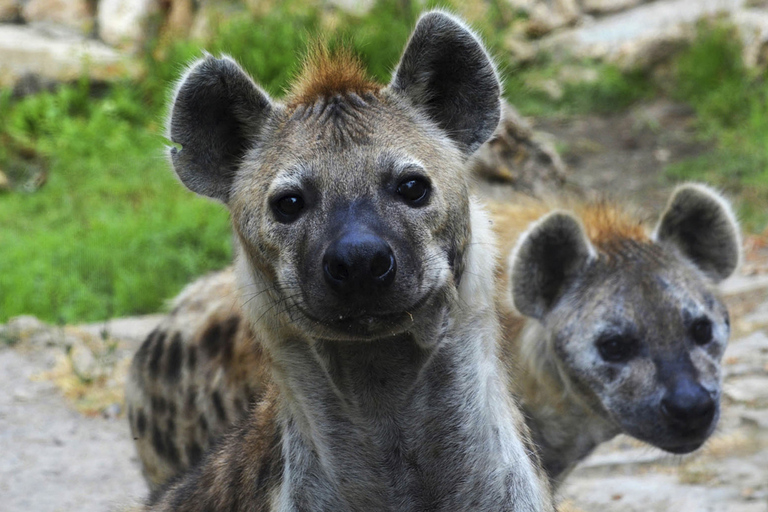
(701, 331)
(415, 191)
(288, 207)
(615, 348)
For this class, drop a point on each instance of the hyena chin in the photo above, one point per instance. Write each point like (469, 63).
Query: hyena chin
(625, 330)
(365, 268)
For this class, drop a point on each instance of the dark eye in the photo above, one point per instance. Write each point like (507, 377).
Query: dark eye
(615, 348)
(701, 331)
(288, 207)
(415, 191)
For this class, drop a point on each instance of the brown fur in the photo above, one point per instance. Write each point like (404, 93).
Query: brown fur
(326, 73)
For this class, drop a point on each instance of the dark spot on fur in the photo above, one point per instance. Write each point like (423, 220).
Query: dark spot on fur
(228, 333)
(158, 442)
(194, 453)
(158, 405)
(239, 405)
(157, 354)
(172, 453)
(190, 406)
(210, 341)
(141, 422)
(141, 354)
(192, 357)
(171, 408)
(173, 359)
(171, 426)
(219, 406)
(203, 425)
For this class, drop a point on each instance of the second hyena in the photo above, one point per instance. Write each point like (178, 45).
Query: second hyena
(365, 266)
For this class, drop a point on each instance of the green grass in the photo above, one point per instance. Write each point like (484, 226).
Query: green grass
(731, 104)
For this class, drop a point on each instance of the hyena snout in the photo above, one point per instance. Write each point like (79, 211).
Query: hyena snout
(358, 262)
(689, 408)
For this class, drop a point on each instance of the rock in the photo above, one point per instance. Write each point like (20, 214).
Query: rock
(544, 16)
(124, 23)
(9, 10)
(756, 418)
(519, 155)
(753, 28)
(75, 14)
(23, 328)
(640, 37)
(55, 55)
(607, 6)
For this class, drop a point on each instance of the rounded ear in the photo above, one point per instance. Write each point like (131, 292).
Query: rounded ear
(216, 115)
(703, 227)
(446, 72)
(553, 251)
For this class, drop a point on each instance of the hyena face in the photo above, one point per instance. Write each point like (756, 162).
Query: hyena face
(348, 200)
(635, 324)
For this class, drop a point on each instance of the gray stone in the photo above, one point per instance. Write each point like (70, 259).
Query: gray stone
(607, 6)
(749, 389)
(756, 418)
(544, 16)
(521, 156)
(75, 14)
(124, 23)
(739, 284)
(55, 55)
(753, 28)
(640, 37)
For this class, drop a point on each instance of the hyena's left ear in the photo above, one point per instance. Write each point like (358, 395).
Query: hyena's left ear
(546, 260)
(702, 225)
(446, 72)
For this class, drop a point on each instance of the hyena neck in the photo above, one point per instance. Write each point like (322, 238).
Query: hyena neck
(565, 428)
(410, 422)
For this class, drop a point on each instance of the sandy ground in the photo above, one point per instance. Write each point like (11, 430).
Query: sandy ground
(65, 445)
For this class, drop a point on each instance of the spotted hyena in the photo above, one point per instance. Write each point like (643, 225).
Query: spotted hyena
(364, 264)
(615, 327)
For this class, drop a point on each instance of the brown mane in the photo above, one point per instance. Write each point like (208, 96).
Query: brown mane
(326, 73)
(607, 223)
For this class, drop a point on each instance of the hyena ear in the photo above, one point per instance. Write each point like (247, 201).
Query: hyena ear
(216, 114)
(702, 225)
(446, 72)
(547, 257)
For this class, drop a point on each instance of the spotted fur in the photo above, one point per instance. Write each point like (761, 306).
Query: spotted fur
(390, 401)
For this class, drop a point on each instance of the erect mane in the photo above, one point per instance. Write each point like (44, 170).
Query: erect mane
(607, 223)
(326, 73)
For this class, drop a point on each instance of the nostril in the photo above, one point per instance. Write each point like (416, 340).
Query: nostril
(689, 412)
(382, 264)
(336, 269)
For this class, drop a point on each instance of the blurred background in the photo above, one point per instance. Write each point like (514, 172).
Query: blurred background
(621, 98)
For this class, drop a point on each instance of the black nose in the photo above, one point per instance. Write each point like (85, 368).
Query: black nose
(688, 407)
(359, 261)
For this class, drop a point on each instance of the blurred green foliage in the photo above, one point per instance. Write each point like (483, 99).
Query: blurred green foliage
(112, 232)
(731, 104)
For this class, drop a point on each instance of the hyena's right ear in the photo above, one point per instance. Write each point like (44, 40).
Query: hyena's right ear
(446, 72)
(702, 225)
(216, 115)
(547, 257)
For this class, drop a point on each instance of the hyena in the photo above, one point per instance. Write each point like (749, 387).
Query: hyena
(622, 330)
(365, 264)
(570, 409)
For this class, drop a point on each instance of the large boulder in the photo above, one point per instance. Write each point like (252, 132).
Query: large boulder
(518, 155)
(124, 23)
(74, 14)
(58, 56)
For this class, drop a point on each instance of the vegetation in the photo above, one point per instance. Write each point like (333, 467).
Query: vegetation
(111, 232)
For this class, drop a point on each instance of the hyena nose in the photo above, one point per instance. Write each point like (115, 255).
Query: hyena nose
(688, 407)
(359, 262)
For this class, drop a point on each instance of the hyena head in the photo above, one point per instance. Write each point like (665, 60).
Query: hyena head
(633, 321)
(348, 199)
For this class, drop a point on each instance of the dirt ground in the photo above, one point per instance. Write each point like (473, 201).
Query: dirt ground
(65, 445)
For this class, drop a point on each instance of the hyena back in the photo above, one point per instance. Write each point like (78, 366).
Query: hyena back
(357, 255)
